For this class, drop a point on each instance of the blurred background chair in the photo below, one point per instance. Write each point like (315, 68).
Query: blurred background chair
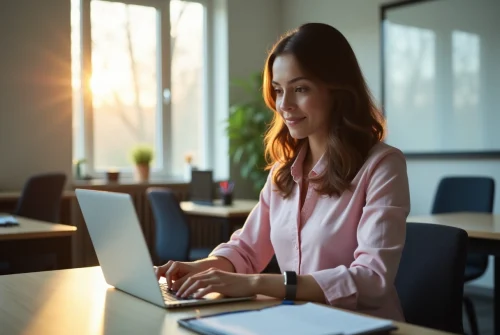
(467, 194)
(430, 278)
(40, 200)
(41, 197)
(172, 232)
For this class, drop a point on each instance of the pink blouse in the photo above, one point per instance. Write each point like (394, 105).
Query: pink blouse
(350, 244)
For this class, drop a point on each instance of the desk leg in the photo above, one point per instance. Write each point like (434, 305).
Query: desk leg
(496, 296)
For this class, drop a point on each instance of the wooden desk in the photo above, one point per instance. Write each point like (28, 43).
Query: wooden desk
(33, 237)
(484, 237)
(477, 225)
(239, 208)
(230, 217)
(14, 196)
(79, 301)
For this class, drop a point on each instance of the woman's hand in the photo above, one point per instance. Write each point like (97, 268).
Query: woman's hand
(178, 272)
(214, 280)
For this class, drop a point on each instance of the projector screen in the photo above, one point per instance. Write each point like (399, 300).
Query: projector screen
(441, 76)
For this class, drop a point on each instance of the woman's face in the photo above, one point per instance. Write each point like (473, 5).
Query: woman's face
(305, 105)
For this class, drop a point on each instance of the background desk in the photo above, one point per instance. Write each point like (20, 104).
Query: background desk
(33, 237)
(78, 301)
(229, 217)
(484, 237)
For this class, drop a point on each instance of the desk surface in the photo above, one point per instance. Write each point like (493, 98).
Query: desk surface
(239, 208)
(30, 229)
(477, 225)
(79, 301)
(13, 195)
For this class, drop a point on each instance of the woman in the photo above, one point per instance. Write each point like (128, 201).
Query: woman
(334, 207)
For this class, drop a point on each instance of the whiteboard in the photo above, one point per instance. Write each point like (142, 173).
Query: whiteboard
(441, 76)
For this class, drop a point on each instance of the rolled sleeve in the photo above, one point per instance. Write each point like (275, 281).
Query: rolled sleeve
(380, 235)
(249, 248)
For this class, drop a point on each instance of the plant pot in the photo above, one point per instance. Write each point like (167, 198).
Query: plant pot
(113, 176)
(142, 172)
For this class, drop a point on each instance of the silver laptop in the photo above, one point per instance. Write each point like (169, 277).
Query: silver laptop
(122, 251)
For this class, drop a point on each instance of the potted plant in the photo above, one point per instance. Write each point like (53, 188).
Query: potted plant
(246, 126)
(142, 156)
(188, 167)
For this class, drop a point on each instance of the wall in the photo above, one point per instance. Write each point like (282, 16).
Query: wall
(358, 20)
(254, 26)
(35, 89)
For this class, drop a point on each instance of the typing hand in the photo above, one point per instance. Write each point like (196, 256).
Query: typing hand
(177, 271)
(214, 280)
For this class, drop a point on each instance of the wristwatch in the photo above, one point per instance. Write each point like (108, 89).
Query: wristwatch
(290, 285)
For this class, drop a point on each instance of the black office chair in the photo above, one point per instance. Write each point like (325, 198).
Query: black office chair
(41, 197)
(272, 267)
(40, 200)
(429, 281)
(467, 194)
(172, 228)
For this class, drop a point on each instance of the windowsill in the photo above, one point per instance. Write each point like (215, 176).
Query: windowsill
(129, 181)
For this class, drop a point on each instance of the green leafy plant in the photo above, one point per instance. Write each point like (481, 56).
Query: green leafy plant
(142, 155)
(246, 126)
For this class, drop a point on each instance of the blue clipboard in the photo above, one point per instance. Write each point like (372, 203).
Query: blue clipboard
(202, 326)
(191, 324)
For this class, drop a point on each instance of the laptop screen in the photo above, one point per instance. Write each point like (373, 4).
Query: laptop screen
(201, 187)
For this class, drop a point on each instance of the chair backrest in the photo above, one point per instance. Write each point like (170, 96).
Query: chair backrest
(464, 194)
(430, 279)
(172, 241)
(41, 197)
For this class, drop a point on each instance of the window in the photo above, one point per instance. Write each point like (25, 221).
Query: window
(139, 77)
(466, 71)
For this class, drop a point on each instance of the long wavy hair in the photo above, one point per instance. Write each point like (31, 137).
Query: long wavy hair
(356, 125)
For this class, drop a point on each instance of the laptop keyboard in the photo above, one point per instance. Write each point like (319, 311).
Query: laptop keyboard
(169, 295)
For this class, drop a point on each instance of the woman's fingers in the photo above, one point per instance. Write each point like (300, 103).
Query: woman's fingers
(162, 269)
(178, 282)
(192, 280)
(209, 289)
(199, 284)
(173, 273)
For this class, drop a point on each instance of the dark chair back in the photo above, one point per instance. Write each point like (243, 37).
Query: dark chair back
(171, 226)
(41, 197)
(467, 194)
(430, 279)
(464, 194)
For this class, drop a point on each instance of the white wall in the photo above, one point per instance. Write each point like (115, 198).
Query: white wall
(35, 90)
(254, 26)
(358, 20)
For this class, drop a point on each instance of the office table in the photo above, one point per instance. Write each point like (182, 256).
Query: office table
(484, 237)
(78, 301)
(36, 237)
(230, 217)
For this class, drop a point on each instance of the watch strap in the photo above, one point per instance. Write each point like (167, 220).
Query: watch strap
(290, 278)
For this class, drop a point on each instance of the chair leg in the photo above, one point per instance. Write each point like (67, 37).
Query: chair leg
(471, 315)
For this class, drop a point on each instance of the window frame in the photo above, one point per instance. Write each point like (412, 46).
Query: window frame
(164, 142)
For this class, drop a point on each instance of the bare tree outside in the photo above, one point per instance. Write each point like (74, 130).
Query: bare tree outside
(125, 79)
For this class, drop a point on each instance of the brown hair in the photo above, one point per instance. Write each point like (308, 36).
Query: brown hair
(356, 125)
